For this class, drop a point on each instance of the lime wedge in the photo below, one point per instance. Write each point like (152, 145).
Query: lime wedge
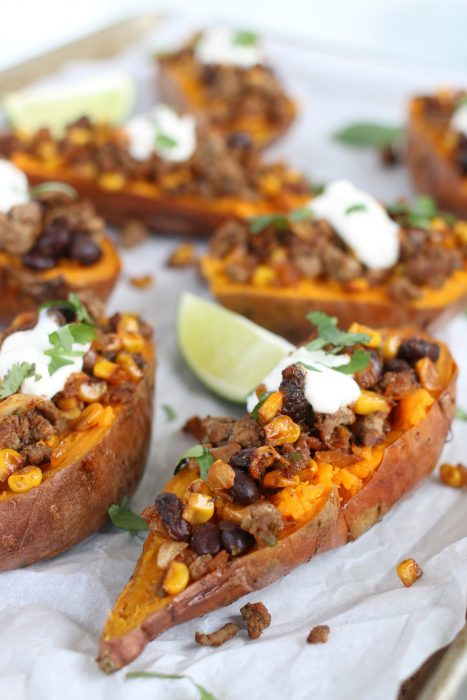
(102, 98)
(226, 351)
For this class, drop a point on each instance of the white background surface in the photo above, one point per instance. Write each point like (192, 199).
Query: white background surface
(51, 614)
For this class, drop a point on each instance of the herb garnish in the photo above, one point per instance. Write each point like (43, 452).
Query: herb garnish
(165, 142)
(125, 519)
(279, 221)
(358, 361)
(245, 38)
(421, 212)
(461, 414)
(36, 191)
(355, 208)
(261, 399)
(75, 304)
(15, 377)
(203, 693)
(169, 412)
(369, 135)
(62, 341)
(329, 334)
(202, 456)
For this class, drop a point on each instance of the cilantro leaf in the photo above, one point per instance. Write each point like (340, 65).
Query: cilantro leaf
(15, 377)
(461, 414)
(369, 135)
(280, 221)
(125, 519)
(62, 344)
(261, 399)
(329, 334)
(245, 38)
(355, 208)
(203, 693)
(421, 212)
(358, 361)
(169, 412)
(165, 142)
(202, 456)
(75, 304)
(300, 214)
(56, 361)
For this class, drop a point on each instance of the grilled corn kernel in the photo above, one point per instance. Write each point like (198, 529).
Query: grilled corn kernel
(220, 475)
(111, 181)
(197, 486)
(78, 136)
(95, 414)
(359, 284)
(176, 578)
(428, 374)
(25, 479)
(453, 475)
(10, 460)
(375, 336)
(270, 185)
(127, 323)
(370, 402)
(183, 256)
(199, 509)
(391, 347)
(127, 363)
(409, 571)
(47, 150)
(168, 551)
(460, 229)
(104, 368)
(92, 391)
(263, 276)
(281, 431)
(271, 406)
(133, 342)
(67, 403)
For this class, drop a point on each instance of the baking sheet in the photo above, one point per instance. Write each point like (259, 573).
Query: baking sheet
(51, 614)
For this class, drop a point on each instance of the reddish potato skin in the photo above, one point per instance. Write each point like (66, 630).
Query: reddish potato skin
(73, 503)
(286, 314)
(222, 587)
(431, 172)
(405, 463)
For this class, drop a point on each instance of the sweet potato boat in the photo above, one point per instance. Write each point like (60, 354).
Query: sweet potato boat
(50, 246)
(276, 277)
(192, 197)
(436, 153)
(64, 461)
(236, 100)
(343, 486)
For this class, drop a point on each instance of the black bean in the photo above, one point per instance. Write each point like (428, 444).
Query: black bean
(242, 459)
(55, 240)
(206, 539)
(37, 261)
(239, 139)
(235, 540)
(84, 250)
(170, 508)
(244, 491)
(396, 365)
(414, 349)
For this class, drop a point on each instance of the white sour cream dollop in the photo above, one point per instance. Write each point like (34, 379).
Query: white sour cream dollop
(326, 389)
(29, 346)
(459, 119)
(14, 186)
(224, 46)
(161, 131)
(361, 222)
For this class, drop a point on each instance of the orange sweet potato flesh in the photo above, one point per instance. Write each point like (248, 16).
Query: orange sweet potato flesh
(160, 211)
(283, 310)
(431, 170)
(22, 289)
(408, 457)
(185, 94)
(97, 468)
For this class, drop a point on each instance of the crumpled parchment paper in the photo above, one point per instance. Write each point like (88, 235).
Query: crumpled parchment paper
(51, 614)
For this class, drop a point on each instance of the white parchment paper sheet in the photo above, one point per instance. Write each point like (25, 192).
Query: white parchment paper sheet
(51, 614)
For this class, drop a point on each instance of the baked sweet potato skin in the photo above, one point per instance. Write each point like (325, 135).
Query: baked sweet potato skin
(188, 215)
(283, 311)
(430, 171)
(72, 503)
(410, 457)
(23, 290)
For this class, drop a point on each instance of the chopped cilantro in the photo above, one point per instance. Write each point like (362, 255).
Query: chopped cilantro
(461, 414)
(203, 693)
(369, 135)
(169, 412)
(165, 142)
(355, 208)
(125, 519)
(358, 361)
(279, 221)
(245, 38)
(329, 334)
(202, 456)
(15, 377)
(261, 399)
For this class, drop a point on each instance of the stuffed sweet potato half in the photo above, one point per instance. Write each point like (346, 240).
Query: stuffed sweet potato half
(335, 436)
(221, 73)
(75, 424)
(344, 254)
(51, 243)
(173, 173)
(436, 148)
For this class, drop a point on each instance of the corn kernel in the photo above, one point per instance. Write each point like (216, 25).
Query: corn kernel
(453, 475)
(67, 403)
(220, 475)
(460, 229)
(133, 342)
(92, 391)
(281, 431)
(370, 402)
(126, 362)
(409, 571)
(10, 461)
(197, 486)
(391, 347)
(176, 578)
(183, 256)
(47, 151)
(25, 479)
(271, 406)
(359, 284)
(95, 414)
(104, 368)
(270, 185)
(111, 181)
(263, 276)
(168, 551)
(78, 136)
(375, 336)
(127, 323)
(199, 509)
